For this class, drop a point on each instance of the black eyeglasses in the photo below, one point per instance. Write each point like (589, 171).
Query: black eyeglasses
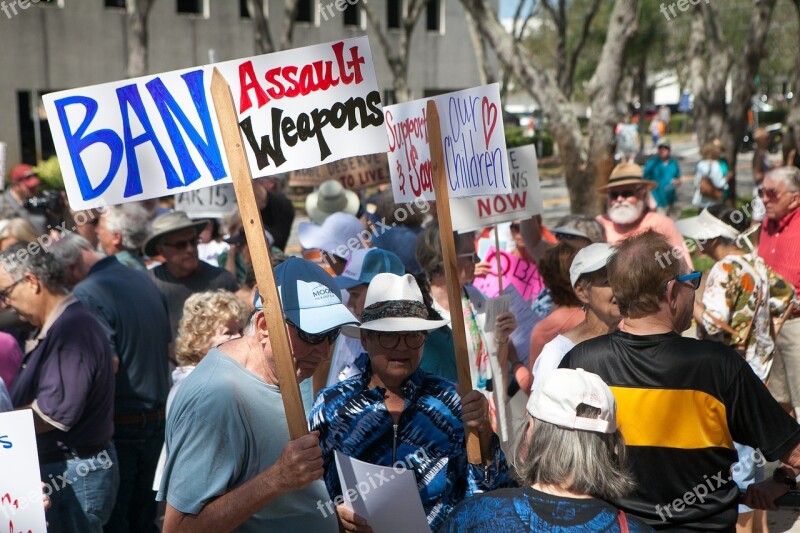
(625, 193)
(182, 245)
(390, 340)
(692, 278)
(317, 338)
(5, 293)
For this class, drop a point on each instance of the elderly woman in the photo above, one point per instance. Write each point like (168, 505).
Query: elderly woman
(589, 278)
(394, 412)
(571, 458)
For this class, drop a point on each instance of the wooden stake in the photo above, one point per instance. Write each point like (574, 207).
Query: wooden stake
(499, 260)
(450, 261)
(254, 231)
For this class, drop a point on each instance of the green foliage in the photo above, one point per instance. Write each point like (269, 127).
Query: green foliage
(515, 136)
(49, 172)
(680, 122)
(544, 143)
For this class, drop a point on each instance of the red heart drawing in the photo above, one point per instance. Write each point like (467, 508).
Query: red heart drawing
(489, 112)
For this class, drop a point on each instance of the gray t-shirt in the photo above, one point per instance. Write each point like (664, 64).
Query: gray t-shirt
(177, 290)
(226, 425)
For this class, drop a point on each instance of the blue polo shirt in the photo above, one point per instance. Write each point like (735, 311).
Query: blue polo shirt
(133, 311)
(67, 375)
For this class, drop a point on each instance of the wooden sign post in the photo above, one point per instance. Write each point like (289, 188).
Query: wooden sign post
(450, 260)
(254, 231)
(499, 258)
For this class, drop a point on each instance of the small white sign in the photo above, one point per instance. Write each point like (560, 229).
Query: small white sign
(212, 202)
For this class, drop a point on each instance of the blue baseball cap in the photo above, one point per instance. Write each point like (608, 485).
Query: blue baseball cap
(309, 297)
(365, 264)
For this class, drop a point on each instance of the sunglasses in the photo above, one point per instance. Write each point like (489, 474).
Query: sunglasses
(624, 193)
(769, 194)
(389, 341)
(692, 278)
(182, 245)
(567, 236)
(316, 338)
(472, 256)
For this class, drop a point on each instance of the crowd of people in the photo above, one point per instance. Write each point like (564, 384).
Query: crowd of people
(138, 338)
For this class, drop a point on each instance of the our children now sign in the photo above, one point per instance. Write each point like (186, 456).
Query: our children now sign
(158, 135)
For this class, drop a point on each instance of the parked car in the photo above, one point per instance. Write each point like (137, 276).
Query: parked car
(775, 132)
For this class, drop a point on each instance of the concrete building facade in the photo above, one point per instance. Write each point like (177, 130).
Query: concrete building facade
(53, 45)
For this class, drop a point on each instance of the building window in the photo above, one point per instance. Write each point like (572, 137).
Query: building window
(394, 13)
(55, 3)
(115, 4)
(305, 11)
(36, 142)
(192, 7)
(352, 15)
(244, 11)
(435, 16)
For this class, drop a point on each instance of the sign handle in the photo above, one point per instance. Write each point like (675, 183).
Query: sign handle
(254, 231)
(499, 260)
(451, 271)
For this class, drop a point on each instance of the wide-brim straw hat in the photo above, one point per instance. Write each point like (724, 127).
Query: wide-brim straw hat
(394, 303)
(627, 174)
(331, 198)
(170, 223)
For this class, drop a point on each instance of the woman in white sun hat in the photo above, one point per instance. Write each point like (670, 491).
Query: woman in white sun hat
(396, 413)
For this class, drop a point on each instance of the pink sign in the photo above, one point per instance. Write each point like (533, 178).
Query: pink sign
(523, 275)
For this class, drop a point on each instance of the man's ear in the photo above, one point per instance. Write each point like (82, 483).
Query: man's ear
(117, 238)
(260, 323)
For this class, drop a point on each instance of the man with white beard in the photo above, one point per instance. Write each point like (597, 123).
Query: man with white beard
(628, 212)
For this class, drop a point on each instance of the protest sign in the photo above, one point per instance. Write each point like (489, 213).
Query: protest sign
(525, 200)
(21, 507)
(526, 320)
(473, 142)
(211, 202)
(158, 135)
(353, 173)
(515, 271)
(2, 166)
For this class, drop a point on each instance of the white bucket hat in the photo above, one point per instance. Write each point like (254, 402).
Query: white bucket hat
(394, 303)
(330, 198)
(557, 399)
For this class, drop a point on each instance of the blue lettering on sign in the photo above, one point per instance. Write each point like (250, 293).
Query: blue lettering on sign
(175, 122)
(208, 150)
(77, 143)
(5, 442)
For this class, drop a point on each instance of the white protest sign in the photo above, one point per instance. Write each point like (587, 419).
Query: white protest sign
(473, 141)
(2, 166)
(158, 135)
(21, 507)
(470, 214)
(212, 202)
(390, 506)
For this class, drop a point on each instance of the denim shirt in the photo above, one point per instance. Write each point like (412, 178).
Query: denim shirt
(428, 438)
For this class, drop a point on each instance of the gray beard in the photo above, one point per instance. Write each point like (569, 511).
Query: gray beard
(625, 214)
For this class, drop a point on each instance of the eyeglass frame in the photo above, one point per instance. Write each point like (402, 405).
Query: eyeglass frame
(405, 335)
(770, 194)
(316, 338)
(5, 293)
(184, 244)
(693, 279)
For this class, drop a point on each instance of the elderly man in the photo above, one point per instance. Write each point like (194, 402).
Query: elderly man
(682, 402)
(175, 237)
(664, 171)
(628, 213)
(134, 314)
(780, 242)
(121, 231)
(229, 465)
(24, 184)
(396, 413)
(67, 380)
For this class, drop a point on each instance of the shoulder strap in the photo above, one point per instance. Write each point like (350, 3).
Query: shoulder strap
(623, 521)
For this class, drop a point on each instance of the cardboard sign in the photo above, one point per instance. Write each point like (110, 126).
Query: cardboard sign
(517, 272)
(159, 135)
(21, 507)
(473, 142)
(525, 200)
(353, 173)
(211, 202)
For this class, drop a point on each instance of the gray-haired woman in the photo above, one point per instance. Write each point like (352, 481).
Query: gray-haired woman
(571, 459)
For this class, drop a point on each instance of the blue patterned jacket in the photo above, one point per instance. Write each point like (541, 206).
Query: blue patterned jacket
(429, 438)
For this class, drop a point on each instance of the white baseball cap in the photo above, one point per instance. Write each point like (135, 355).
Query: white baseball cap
(557, 399)
(590, 259)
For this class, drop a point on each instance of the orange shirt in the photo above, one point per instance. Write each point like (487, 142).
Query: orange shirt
(651, 220)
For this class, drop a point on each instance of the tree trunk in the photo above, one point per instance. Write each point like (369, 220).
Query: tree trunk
(793, 120)
(136, 17)
(262, 36)
(290, 8)
(485, 73)
(602, 92)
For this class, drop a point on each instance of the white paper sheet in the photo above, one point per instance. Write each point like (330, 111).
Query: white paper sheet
(21, 507)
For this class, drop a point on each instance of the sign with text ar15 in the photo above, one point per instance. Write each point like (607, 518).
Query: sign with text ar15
(525, 200)
(158, 135)
(21, 507)
(473, 141)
